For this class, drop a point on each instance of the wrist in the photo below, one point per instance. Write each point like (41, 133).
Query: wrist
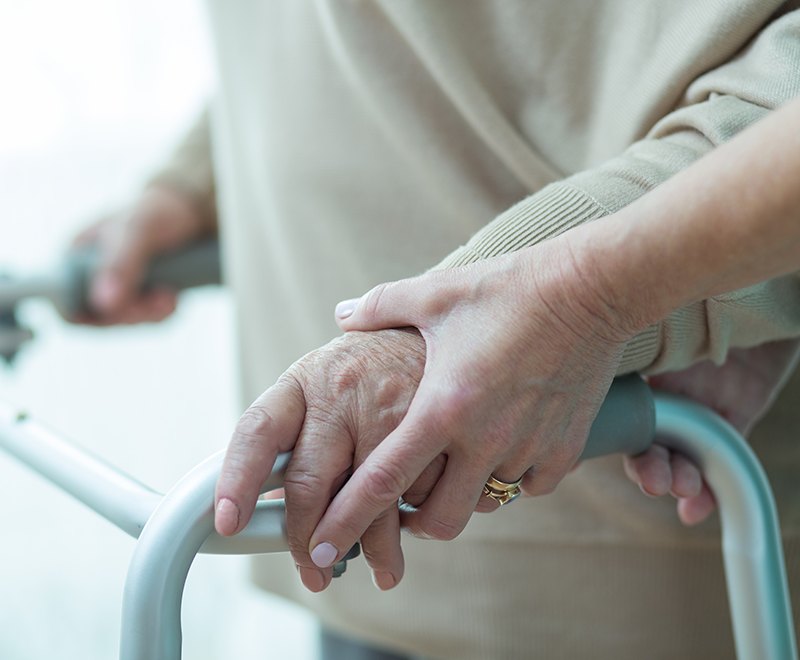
(613, 279)
(165, 219)
(168, 200)
(566, 279)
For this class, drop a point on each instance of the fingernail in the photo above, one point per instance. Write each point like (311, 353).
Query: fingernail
(226, 517)
(311, 578)
(646, 493)
(384, 581)
(105, 293)
(324, 555)
(346, 307)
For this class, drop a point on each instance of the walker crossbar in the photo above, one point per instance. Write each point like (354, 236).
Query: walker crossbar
(123, 500)
(172, 529)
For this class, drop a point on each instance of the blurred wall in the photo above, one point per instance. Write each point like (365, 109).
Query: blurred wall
(94, 94)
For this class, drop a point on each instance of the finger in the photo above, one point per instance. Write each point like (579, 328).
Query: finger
(694, 510)
(487, 504)
(320, 464)
(315, 579)
(376, 484)
(396, 304)
(124, 253)
(651, 470)
(151, 307)
(449, 507)
(271, 425)
(380, 544)
(419, 491)
(540, 473)
(686, 478)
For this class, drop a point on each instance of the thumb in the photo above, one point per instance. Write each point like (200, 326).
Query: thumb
(392, 305)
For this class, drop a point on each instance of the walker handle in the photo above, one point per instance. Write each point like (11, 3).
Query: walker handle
(197, 264)
(626, 421)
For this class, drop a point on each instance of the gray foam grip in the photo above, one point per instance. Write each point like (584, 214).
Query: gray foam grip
(197, 264)
(626, 421)
(624, 424)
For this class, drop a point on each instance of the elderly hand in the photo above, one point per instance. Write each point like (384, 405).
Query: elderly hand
(741, 391)
(332, 407)
(520, 352)
(159, 221)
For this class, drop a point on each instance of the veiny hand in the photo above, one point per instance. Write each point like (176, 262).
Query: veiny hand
(160, 221)
(741, 391)
(332, 407)
(520, 352)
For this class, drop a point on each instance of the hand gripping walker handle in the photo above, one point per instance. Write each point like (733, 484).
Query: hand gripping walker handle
(182, 522)
(197, 264)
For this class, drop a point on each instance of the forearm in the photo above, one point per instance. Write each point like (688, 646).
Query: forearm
(189, 172)
(729, 221)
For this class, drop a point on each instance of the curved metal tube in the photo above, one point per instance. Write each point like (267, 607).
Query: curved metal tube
(172, 529)
(751, 541)
(151, 602)
(118, 497)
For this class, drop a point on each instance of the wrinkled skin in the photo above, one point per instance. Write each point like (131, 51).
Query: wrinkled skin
(508, 365)
(332, 408)
(509, 389)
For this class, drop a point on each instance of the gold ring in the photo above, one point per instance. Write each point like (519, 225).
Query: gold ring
(501, 492)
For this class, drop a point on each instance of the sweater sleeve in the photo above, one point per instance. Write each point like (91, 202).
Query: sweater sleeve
(189, 170)
(714, 108)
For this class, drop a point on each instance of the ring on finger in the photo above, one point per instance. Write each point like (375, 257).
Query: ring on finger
(502, 492)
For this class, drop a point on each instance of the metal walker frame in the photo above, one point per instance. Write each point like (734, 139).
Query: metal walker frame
(171, 529)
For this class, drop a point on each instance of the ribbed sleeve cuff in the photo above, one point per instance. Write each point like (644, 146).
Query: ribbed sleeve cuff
(548, 213)
(556, 209)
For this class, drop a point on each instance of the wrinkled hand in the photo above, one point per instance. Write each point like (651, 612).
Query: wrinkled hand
(161, 220)
(332, 407)
(741, 391)
(520, 352)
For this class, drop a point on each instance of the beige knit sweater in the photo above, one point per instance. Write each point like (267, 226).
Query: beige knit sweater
(361, 141)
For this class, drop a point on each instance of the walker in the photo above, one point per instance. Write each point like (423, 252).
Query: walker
(171, 529)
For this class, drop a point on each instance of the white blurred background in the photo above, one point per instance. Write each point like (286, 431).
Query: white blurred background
(93, 94)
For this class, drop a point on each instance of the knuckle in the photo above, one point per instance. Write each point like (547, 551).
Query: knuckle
(304, 486)
(343, 380)
(374, 557)
(569, 449)
(440, 528)
(372, 303)
(383, 483)
(450, 410)
(254, 425)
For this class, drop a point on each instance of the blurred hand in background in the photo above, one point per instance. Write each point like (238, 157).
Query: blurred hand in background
(161, 220)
